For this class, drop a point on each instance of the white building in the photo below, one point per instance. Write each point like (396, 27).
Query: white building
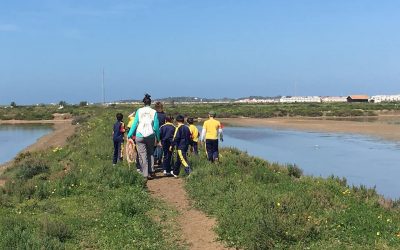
(293, 99)
(334, 99)
(385, 98)
(248, 100)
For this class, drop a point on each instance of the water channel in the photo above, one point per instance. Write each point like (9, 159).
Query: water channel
(360, 159)
(14, 138)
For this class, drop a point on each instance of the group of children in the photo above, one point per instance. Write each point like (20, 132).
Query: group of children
(180, 138)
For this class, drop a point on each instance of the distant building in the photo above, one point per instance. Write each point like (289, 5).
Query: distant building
(294, 99)
(357, 98)
(334, 99)
(253, 100)
(385, 98)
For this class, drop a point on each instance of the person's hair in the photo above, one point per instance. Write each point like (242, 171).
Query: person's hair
(169, 119)
(212, 114)
(159, 107)
(180, 118)
(147, 100)
(190, 120)
(119, 116)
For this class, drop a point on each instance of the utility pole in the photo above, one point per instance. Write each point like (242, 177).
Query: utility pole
(104, 91)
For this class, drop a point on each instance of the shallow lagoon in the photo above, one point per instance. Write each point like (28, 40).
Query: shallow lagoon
(361, 159)
(14, 138)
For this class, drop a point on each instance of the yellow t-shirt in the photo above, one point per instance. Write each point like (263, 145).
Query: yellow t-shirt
(195, 132)
(211, 126)
(130, 122)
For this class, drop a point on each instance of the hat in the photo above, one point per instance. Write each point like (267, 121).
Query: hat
(212, 113)
(180, 118)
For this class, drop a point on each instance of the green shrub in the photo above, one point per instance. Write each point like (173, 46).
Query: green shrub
(56, 229)
(294, 171)
(80, 119)
(31, 167)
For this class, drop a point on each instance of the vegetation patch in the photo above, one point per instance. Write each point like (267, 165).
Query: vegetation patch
(261, 205)
(73, 198)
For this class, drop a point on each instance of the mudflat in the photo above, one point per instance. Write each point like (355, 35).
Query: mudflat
(384, 127)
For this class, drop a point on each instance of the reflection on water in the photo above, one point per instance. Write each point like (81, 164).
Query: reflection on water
(353, 119)
(14, 138)
(378, 119)
(362, 160)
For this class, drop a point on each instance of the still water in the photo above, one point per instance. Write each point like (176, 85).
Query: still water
(361, 159)
(14, 138)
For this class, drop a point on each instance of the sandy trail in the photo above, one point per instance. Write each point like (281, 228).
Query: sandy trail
(379, 128)
(62, 130)
(197, 228)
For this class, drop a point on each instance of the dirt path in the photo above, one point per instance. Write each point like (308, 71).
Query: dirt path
(197, 228)
(62, 130)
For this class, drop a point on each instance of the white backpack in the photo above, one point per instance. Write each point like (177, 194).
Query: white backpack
(146, 121)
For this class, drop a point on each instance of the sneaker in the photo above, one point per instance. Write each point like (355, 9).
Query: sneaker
(188, 170)
(165, 172)
(174, 175)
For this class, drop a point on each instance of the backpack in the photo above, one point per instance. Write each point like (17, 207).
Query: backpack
(146, 121)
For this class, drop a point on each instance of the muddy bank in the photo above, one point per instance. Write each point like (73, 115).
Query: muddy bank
(379, 127)
(62, 129)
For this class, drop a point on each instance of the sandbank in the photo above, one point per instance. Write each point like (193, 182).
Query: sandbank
(380, 127)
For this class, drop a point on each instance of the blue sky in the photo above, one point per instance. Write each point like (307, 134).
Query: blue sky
(54, 50)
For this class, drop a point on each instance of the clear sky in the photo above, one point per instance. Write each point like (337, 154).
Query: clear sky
(53, 50)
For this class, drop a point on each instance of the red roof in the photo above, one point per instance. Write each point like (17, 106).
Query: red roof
(358, 97)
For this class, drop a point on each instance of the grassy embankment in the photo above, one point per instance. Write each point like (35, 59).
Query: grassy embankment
(73, 198)
(261, 205)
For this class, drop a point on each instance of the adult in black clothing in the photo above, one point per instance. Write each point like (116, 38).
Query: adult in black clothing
(158, 152)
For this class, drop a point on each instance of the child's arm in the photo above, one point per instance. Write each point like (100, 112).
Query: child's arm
(203, 134)
(175, 139)
(221, 137)
(122, 128)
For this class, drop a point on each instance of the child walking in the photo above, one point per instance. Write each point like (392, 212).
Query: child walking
(181, 142)
(167, 135)
(118, 137)
(194, 136)
(212, 129)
